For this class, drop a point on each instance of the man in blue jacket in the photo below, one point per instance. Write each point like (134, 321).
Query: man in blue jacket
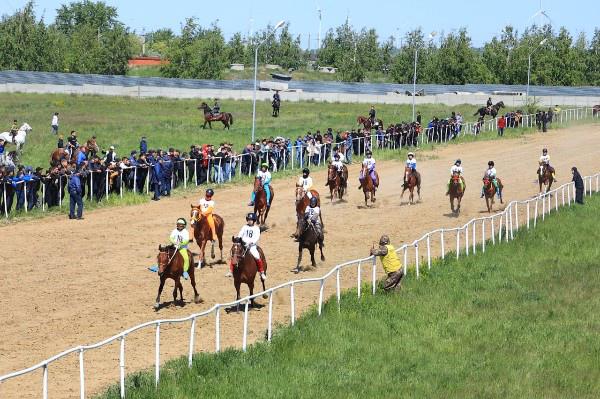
(155, 176)
(75, 195)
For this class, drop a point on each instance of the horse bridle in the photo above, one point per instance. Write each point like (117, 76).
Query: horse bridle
(243, 254)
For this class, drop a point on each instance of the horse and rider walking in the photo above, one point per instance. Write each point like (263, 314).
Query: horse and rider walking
(207, 225)
(211, 116)
(412, 178)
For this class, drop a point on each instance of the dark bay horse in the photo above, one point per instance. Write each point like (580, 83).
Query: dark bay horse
(302, 201)
(492, 111)
(261, 208)
(596, 110)
(489, 191)
(275, 104)
(412, 179)
(203, 235)
(545, 177)
(366, 122)
(245, 268)
(336, 182)
(209, 117)
(456, 192)
(170, 265)
(307, 238)
(367, 185)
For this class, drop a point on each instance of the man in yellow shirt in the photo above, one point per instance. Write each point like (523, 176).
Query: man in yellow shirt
(390, 262)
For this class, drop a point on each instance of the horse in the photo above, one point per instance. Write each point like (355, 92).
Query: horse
(412, 180)
(261, 208)
(275, 104)
(366, 122)
(489, 190)
(209, 117)
(336, 183)
(20, 137)
(495, 108)
(307, 238)
(596, 110)
(9, 160)
(245, 268)
(60, 154)
(202, 233)
(302, 202)
(545, 177)
(92, 147)
(456, 192)
(170, 265)
(367, 185)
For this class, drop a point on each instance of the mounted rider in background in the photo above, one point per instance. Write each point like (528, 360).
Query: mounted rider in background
(180, 237)
(216, 109)
(372, 113)
(265, 180)
(14, 129)
(456, 169)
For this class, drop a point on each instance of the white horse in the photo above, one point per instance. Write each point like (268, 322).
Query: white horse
(19, 138)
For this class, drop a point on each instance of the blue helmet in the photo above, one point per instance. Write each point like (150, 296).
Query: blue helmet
(251, 216)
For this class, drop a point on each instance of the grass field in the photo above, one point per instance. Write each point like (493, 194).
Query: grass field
(520, 321)
(167, 123)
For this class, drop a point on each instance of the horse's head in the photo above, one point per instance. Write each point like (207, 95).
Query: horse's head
(486, 182)
(500, 104)
(195, 214)
(331, 172)
(237, 250)
(257, 184)
(164, 258)
(25, 128)
(299, 194)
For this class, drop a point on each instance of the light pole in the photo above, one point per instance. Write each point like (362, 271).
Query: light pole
(431, 36)
(279, 25)
(529, 69)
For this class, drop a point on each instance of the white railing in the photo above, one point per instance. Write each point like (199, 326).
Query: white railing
(221, 170)
(497, 228)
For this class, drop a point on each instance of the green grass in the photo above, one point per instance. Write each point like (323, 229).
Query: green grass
(167, 123)
(520, 321)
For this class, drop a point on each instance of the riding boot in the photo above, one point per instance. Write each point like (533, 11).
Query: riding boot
(251, 203)
(230, 272)
(261, 269)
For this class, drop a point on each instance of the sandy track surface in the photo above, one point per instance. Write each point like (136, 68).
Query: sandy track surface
(77, 282)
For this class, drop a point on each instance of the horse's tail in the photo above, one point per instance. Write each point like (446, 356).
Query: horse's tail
(230, 118)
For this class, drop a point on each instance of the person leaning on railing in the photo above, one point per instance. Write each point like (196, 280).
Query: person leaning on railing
(390, 262)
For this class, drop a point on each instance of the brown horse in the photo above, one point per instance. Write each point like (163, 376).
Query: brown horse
(545, 177)
(596, 110)
(366, 122)
(489, 190)
(209, 117)
(456, 191)
(261, 208)
(412, 179)
(367, 185)
(92, 147)
(203, 235)
(307, 238)
(302, 201)
(60, 153)
(170, 265)
(245, 268)
(336, 181)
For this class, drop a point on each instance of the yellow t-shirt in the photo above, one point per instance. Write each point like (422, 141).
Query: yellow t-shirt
(390, 262)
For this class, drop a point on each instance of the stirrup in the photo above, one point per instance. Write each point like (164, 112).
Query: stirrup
(186, 275)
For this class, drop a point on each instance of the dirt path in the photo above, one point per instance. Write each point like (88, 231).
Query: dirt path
(93, 283)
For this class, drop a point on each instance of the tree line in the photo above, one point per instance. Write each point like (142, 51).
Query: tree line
(87, 37)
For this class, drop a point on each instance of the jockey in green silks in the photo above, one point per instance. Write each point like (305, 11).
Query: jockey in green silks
(180, 237)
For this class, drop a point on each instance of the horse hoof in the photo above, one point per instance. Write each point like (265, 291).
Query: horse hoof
(198, 300)
(156, 306)
(322, 259)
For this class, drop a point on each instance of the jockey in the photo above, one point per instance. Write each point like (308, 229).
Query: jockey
(337, 163)
(265, 180)
(14, 129)
(250, 234)
(207, 205)
(216, 107)
(311, 214)
(545, 161)
(458, 170)
(490, 173)
(369, 162)
(180, 237)
(276, 96)
(372, 113)
(489, 102)
(411, 162)
(306, 182)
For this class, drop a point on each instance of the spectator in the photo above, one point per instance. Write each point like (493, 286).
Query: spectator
(419, 117)
(579, 186)
(155, 176)
(143, 145)
(544, 122)
(111, 155)
(54, 123)
(501, 125)
(390, 262)
(81, 156)
(75, 192)
(60, 143)
(2, 149)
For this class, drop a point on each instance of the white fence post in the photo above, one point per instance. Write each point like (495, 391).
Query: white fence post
(442, 242)
(358, 278)
(218, 329)
(245, 333)
(122, 366)
(428, 253)
(321, 296)
(292, 305)
(157, 355)
(81, 375)
(192, 336)
(483, 235)
(337, 289)
(457, 243)
(270, 317)
(45, 382)
(374, 274)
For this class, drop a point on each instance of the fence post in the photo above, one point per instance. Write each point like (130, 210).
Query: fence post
(337, 289)
(417, 258)
(81, 375)
(43, 197)
(245, 333)
(474, 239)
(467, 239)
(25, 195)
(185, 173)
(405, 259)
(292, 304)
(457, 243)
(543, 206)
(442, 242)
(122, 366)
(500, 228)
(45, 382)
(374, 274)
(192, 336)
(106, 182)
(59, 191)
(5, 206)
(493, 234)
(483, 235)
(321, 295)
(218, 329)
(157, 355)
(121, 183)
(147, 181)
(428, 253)
(358, 278)
(535, 211)
(270, 326)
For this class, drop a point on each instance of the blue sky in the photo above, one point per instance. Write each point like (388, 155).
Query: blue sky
(390, 18)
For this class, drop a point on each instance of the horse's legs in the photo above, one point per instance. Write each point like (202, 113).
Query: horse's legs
(160, 288)
(452, 204)
(299, 257)
(237, 284)
(180, 286)
(251, 289)
(312, 256)
(193, 282)
(202, 255)
(212, 249)
(321, 249)
(175, 292)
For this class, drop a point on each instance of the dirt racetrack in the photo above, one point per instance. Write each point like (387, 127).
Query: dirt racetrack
(65, 283)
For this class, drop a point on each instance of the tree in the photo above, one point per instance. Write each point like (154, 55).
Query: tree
(593, 60)
(288, 53)
(96, 15)
(236, 49)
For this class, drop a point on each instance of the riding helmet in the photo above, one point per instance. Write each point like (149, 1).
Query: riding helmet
(545, 150)
(264, 165)
(411, 154)
(491, 163)
(305, 171)
(182, 221)
(251, 216)
(336, 156)
(210, 192)
(313, 202)
(458, 161)
(369, 152)
(384, 240)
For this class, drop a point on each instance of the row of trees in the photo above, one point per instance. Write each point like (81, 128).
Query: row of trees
(86, 37)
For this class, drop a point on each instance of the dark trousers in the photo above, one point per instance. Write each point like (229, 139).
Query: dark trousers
(156, 189)
(579, 195)
(500, 131)
(75, 199)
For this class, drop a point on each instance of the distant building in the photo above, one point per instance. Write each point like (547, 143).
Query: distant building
(146, 61)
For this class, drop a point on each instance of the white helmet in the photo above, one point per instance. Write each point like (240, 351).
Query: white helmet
(411, 154)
